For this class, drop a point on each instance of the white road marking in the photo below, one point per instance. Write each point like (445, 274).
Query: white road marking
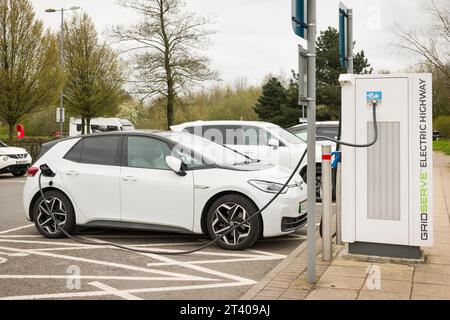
(180, 276)
(63, 277)
(113, 291)
(104, 293)
(3, 260)
(11, 181)
(16, 229)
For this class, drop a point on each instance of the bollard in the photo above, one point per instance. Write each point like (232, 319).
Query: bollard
(327, 205)
(338, 205)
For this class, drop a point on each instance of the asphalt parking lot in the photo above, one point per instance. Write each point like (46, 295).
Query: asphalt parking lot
(32, 267)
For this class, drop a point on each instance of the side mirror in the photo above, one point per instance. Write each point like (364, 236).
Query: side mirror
(176, 165)
(274, 143)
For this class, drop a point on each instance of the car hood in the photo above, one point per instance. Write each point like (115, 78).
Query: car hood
(273, 173)
(12, 150)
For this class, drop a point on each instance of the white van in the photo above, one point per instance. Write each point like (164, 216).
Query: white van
(100, 125)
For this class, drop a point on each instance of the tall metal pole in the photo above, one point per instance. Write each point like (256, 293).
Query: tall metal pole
(350, 70)
(311, 144)
(61, 110)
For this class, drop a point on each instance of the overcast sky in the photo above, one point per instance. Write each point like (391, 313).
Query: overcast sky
(255, 37)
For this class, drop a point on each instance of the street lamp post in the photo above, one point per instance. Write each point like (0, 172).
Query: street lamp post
(61, 109)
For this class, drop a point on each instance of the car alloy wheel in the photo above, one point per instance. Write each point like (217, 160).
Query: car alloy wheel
(227, 216)
(45, 220)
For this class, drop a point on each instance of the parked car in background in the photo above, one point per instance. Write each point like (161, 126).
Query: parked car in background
(258, 140)
(166, 181)
(14, 160)
(100, 125)
(328, 129)
(436, 135)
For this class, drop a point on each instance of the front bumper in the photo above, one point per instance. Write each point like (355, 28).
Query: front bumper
(14, 168)
(283, 216)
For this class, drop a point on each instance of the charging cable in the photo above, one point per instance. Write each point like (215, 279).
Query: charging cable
(126, 248)
(375, 127)
(348, 144)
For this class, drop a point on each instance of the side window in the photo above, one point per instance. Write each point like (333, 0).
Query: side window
(75, 153)
(100, 150)
(79, 127)
(254, 136)
(148, 153)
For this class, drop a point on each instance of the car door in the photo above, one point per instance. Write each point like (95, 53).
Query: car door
(90, 173)
(151, 192)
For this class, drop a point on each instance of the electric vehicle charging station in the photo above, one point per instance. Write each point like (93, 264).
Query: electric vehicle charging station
(387, 188)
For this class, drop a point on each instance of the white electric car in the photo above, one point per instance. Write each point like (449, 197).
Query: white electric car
(166, 181)
(14, 160)
(259, 140)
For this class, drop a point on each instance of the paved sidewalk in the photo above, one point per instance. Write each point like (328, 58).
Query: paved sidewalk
(346, 279)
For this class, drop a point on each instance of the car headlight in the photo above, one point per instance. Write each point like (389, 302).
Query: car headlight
(267, 186)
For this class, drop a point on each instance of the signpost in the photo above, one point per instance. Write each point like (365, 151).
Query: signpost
(346, 37)
(304, 25)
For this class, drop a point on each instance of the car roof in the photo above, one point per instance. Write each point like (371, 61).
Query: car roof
(262, 124)
(319, 123)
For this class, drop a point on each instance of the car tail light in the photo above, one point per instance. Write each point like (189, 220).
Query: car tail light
(32, 171)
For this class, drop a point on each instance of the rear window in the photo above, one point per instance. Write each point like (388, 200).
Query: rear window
(96, 150)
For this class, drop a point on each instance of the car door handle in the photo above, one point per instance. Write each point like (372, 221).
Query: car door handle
(129, 178)
(72, 173)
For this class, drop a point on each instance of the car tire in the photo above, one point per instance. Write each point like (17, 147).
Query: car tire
(20, 173)
(228, 211)
(63, 211)
(318, 184)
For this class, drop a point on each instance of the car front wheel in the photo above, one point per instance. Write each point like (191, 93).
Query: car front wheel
(19, 173)
(227, 219)
(62, 210)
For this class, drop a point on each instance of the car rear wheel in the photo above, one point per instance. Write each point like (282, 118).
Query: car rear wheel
(63, 211)
(227, 219)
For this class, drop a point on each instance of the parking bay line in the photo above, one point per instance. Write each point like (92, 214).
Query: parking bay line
(130, 291)
(113, 291)
(179, 276)
(16, 229)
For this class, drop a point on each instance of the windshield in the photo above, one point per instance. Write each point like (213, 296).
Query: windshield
(324, 131)
(211, 153)
(2, 145)
(286, 135)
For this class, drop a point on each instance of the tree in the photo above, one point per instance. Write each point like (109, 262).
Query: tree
(94, 75)
(165, 44)
(328, 71)
(433, 45)
(275, 103)
(29, 70)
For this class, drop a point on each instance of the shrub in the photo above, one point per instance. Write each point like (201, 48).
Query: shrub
(442, 124)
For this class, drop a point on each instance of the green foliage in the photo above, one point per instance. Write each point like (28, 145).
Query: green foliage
(442, 146)
(29, 73)
(328, 71)
(219, 103)
(94, 75)
(278, 104)
(442, 124)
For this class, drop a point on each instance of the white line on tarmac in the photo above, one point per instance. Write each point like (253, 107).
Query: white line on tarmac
(16, 229)
(63, 277)
(131, 291)
(266, 258)
(113, 291)
(180, 276)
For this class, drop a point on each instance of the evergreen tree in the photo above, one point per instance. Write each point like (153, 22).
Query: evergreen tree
(329, 70)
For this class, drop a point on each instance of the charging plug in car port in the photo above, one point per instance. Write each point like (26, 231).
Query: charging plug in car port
(46, 171)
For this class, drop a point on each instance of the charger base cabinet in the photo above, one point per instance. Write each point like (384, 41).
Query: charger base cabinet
(387, 188)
